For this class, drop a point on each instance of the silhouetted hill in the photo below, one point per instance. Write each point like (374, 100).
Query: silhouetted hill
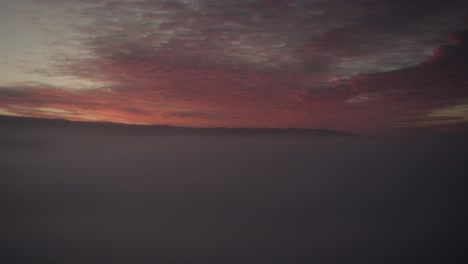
(44, 123)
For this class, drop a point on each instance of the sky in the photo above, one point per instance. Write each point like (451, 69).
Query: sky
(375, 66)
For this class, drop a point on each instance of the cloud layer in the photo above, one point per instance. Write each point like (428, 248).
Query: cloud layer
(353, 66)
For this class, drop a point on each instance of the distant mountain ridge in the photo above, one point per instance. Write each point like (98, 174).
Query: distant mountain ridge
(25, 122)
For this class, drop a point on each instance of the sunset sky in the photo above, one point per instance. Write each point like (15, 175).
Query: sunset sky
(381, 66)
(383, 179)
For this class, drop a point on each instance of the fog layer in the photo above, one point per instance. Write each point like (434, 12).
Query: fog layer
(86, 196)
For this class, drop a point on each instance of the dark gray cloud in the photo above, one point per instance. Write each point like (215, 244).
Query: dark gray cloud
(329, 39)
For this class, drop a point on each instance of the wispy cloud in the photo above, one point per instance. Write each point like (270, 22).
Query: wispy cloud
(252, 63)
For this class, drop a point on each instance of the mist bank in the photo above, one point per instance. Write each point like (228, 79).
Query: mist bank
(83, 194)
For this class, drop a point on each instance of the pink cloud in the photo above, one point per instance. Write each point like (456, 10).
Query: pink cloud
(238, 64)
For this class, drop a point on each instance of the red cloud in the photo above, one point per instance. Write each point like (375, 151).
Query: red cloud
(356, 69)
